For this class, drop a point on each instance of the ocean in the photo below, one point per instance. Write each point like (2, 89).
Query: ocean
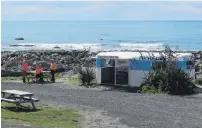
(101, 35)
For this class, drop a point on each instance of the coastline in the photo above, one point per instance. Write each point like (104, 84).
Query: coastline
(96, 46)
(66, 60)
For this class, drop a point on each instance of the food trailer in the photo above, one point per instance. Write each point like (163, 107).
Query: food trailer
(130, 68)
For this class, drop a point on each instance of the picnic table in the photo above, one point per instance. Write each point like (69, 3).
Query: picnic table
(31, 75)
(17, 97)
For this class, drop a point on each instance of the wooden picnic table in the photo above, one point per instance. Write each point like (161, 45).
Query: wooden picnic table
(46, 75)
(33, 72)
(18, 97)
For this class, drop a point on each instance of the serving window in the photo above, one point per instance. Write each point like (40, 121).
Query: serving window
(108, 63)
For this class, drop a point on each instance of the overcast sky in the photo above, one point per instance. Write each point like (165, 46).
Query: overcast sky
(132, 10)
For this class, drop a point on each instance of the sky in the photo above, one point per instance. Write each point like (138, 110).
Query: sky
(104, 10)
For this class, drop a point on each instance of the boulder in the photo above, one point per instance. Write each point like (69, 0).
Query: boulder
(19, 38)
(59, 70)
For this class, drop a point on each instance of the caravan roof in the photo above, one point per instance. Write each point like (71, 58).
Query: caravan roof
(137, 55)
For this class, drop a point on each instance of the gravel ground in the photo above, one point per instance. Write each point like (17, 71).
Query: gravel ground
(104, 107)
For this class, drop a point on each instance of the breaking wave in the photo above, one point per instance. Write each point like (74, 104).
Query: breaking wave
(142, 46)
(43, 46)
(82, 46)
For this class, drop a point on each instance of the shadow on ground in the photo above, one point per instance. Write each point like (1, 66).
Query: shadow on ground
(198, 89)
(20, 109)
(45, 82)
(122, 88)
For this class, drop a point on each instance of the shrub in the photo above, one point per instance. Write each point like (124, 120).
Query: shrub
(199, 81)
(86, 76)
(197, 68)
(169, 78)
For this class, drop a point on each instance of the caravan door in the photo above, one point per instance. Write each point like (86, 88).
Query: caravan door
(107, 71)
(122, 67)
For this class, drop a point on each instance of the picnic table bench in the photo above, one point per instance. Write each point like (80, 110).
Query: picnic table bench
(18, 97)
(31, 76)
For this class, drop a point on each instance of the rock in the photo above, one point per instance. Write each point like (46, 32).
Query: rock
(38, 54)
(13, 55)
(25, 55)
(59, 70)
(55, 54)
(56, 47)
(20, 38)
(66, 60)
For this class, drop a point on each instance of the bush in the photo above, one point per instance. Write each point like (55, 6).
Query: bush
(86, 76)
(199, 81)
(168, 79)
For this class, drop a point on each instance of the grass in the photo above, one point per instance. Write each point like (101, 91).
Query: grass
(57, 76)
(150, 90)
(11, 79)
(73, 80)
(43, 117)
(70, 80)
(19, 79)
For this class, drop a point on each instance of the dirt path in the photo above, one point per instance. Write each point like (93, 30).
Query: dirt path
(111, 108)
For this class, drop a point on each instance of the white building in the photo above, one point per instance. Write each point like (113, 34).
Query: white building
(130, 68)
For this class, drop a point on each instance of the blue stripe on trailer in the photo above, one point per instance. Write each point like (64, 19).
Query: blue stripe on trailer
(144, 65)
(98, 63)
(182, 64)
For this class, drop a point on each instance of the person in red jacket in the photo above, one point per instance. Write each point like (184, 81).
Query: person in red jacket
(37, 72)
(24, 68)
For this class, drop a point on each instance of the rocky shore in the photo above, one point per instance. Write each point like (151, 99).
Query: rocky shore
(65, 60)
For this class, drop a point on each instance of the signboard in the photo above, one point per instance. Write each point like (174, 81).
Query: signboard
(151, 58)
(122, 71)
(120, 63)
(108, 57)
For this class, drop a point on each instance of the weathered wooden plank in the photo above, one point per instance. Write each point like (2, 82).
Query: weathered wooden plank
(32, 99)
(17, 92)
(42, 72)
(9, 100)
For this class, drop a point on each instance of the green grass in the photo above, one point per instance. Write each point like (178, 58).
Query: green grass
(11, 79)
(150, 90)
(73, 80)
(43, 117)
(70, 80)
(57, 76)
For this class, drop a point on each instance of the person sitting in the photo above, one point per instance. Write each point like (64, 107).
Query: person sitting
(41, 76)
(38, 72)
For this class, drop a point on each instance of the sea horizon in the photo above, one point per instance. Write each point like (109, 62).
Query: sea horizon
(102, 34)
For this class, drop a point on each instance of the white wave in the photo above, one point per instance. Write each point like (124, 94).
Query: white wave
(82, 46)
(141, 46)
(45, 46)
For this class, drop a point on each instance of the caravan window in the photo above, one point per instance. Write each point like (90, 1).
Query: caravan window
(108, 63)
(158, 65)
